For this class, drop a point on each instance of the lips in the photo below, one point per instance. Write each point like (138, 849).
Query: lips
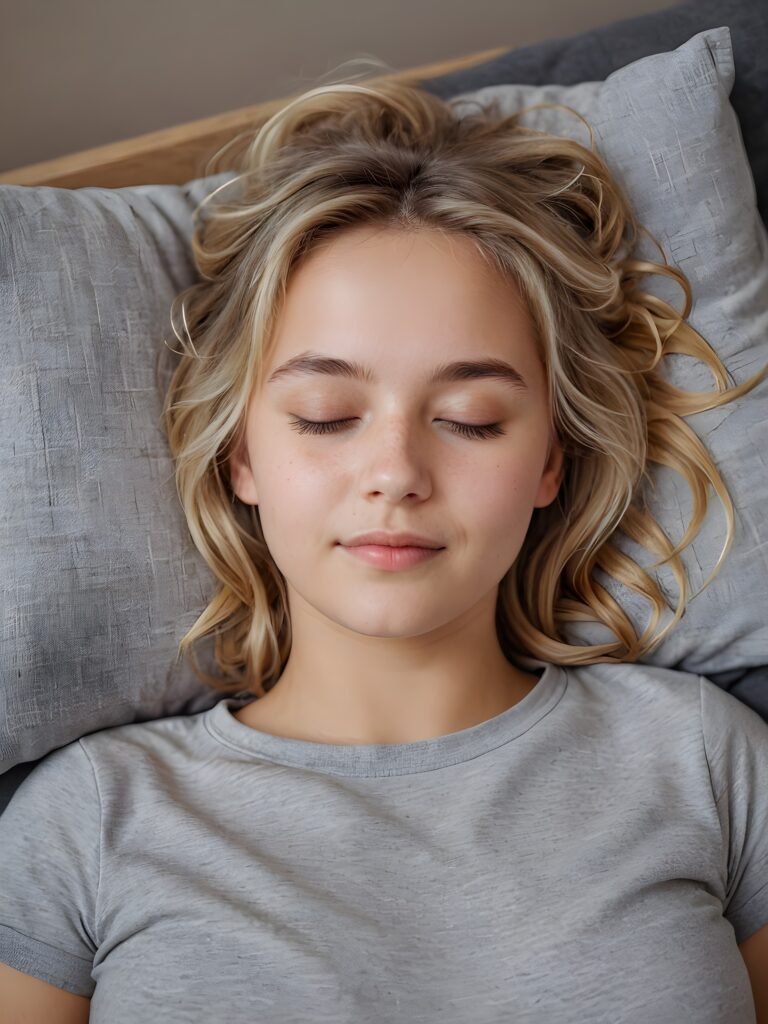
(393, 540)
(391, 557)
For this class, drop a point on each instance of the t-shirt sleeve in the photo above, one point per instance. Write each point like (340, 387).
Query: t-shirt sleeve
(736, 746)
(49, 871)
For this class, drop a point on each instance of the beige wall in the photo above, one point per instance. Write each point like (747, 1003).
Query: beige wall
(80, 73)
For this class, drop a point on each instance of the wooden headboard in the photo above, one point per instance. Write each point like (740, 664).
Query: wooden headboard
(172, 156)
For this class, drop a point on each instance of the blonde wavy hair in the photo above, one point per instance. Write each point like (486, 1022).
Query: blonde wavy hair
(546, 212)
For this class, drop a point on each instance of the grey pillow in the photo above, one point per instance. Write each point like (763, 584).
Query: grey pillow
(593, 55)
(665, 126)
(100, 577)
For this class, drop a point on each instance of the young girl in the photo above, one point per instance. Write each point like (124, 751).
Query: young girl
(419, 394)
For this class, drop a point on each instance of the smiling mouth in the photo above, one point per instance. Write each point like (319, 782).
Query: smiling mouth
(389, 557)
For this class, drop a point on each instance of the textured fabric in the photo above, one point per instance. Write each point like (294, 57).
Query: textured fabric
(594, 54)
(594, 853)
(100, 576)
(674, 157)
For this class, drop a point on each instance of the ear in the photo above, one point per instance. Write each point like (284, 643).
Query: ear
(241, 477)
(551, 476)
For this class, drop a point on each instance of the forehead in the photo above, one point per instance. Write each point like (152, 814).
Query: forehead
(383, 254)
(383, 297)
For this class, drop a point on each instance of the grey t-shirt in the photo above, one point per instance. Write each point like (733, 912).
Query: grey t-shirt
(594, 853)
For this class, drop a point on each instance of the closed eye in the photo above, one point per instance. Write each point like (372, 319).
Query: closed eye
(469, 430)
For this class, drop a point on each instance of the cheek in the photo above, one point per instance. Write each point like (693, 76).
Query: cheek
(499, 500)
(295, 497)
(287, 477)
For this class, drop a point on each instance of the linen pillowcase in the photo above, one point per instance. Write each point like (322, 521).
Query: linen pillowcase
(101, 578)
(669, 134)
(593, 55)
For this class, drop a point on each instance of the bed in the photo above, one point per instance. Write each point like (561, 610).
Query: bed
(93, 613)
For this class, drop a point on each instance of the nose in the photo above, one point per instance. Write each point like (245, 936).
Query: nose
(395, 462)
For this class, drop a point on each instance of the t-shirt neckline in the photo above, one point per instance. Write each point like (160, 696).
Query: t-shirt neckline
(371, 759)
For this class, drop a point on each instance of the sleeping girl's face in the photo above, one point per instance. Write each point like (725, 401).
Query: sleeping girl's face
(413, 312)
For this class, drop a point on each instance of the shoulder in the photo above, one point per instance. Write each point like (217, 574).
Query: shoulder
(157, 739)
(62, 779)
(663, 696)
(637, 692)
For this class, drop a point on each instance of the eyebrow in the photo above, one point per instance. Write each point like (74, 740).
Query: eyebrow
(309, 363)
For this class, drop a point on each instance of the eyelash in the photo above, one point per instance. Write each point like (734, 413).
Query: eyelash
(467, 430)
